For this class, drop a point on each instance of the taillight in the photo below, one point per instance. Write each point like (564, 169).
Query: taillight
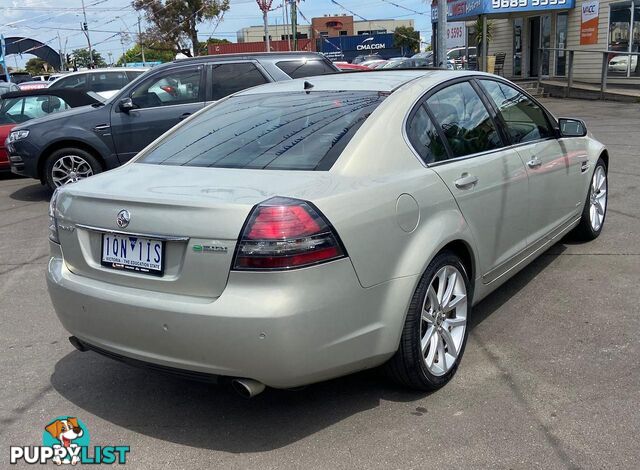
(283, 233)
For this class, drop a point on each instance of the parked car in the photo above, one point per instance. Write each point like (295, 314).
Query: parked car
(409, 63)
(373, 63)
(32, 85)
(350, 67)
(20, 106)
(620, 63)
(457, 56)
(303, 230)
(105, 137)
(40, 78)
(6, 87)
(105, 82)
(365, 58)
(19, 77)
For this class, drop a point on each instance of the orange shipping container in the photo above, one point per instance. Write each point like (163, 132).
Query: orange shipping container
(241, 47)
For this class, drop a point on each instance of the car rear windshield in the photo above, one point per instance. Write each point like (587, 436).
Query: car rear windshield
(280, 131)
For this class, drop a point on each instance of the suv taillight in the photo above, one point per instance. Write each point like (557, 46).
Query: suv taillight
(284, 233)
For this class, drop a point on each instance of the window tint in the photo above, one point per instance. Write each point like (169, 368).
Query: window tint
(283, 131)
(524, 119)
(424, 137)
(229, 78)
(304, 68)
(77, 82)
(464, 120)
(107, 81)
(175, 87)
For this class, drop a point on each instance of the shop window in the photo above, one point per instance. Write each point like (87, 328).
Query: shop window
(517, 46)
(624, 36)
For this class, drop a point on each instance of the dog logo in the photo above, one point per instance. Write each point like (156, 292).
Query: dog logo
(66, 435)
(65, 440)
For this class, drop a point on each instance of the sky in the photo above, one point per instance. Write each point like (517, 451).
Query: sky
(57, 22)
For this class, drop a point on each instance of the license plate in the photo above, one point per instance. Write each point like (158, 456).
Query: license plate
(129, 253)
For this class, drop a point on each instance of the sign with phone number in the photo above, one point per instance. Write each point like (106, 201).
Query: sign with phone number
(465, 9)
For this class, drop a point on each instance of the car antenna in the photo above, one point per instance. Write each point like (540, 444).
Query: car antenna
(308, 86)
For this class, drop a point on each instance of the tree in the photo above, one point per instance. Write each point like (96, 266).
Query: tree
(174, 23)
(81, 57)
(407, 38)
(37, 66)
(150, 55)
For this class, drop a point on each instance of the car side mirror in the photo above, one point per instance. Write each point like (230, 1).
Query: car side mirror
(572, 127)
(126, 105)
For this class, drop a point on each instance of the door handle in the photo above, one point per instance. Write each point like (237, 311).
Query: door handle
(535, 162)
(466, 181)
(185, 116)
(101, 127)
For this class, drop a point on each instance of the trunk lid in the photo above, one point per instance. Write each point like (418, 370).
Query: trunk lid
(197, 212)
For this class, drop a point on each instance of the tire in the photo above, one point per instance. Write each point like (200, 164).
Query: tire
(69, 165)
(423, 368)
(590, 227)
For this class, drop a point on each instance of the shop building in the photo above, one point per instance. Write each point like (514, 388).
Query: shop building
(520, 28)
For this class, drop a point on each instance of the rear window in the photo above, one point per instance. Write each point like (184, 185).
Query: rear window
(305, 68)
(280, 131)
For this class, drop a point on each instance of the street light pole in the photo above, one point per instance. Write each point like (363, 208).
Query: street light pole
(441, 39)
(85, 30)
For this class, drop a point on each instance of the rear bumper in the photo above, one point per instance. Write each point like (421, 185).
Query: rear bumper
(283, 329)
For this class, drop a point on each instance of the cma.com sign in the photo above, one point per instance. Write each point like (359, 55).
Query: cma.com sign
(369, 45)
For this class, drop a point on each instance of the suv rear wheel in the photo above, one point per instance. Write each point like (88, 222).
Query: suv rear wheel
(69, 165)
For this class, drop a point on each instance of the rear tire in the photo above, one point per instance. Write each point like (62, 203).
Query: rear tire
(435, 331)
(595, 206)
(69, 165)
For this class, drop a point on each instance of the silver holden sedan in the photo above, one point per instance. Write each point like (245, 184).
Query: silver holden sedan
(303, 230)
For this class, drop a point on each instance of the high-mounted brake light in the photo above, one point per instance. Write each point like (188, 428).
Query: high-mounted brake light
(283, 233)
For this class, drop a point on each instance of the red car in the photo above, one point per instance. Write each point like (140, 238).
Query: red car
(17, 107)
(350, 67)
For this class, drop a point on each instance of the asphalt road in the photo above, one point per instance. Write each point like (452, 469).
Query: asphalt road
(550, 378)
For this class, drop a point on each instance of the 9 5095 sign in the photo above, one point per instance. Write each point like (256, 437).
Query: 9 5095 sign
(515, 5)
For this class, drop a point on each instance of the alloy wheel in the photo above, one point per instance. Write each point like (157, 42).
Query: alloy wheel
(598, 198)
(69, 169)
(444, 320)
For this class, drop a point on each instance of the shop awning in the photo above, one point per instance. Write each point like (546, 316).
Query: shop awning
(468, 9)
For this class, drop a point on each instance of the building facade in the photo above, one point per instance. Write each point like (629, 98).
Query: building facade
(519, 28)
(324, 26)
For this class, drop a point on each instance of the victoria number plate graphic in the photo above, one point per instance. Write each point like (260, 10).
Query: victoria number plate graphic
(138, 254)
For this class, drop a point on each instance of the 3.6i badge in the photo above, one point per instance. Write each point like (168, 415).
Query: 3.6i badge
(213, 248)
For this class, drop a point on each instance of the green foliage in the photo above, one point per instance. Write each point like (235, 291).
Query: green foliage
(37, 66)
(151, 55)
(407, 38)
(174, 23)
(81, 57)
(204, 50)
(478, 31)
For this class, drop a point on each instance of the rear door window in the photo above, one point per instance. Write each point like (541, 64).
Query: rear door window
(282, 131)
(179, 86)
(424, 137)
(230, 78)
(465, 121)
(305, 68)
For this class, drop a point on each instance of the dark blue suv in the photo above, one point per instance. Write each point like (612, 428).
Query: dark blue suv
(78, 143)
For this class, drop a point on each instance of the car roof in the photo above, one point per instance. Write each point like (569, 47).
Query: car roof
(384, 80)
(251, 55)
(72, 97)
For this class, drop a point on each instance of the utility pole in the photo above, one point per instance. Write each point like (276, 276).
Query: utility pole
(265, 6)
(441, 39)
(124, 52)
(85, 30)
(144, 62)
(294, 24)
(284, 18)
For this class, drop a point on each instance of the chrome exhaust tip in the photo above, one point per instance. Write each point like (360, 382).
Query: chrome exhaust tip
(76, 343)
(247, 388)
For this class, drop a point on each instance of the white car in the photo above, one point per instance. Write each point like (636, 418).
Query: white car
(105, 82)
(620, 63)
